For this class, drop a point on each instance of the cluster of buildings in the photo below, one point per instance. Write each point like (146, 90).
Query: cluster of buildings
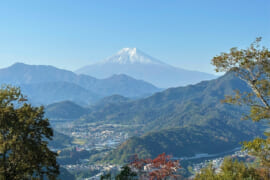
(94, 137)
(97, 137)
(91, 167)
(109, 136)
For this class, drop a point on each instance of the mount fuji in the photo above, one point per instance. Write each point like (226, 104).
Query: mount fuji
(139, 65)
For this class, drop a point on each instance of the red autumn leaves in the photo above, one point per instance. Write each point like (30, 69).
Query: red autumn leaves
(160, 167)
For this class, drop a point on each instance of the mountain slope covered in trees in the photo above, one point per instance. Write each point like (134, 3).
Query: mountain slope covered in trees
(179, 142)
(65, 110)
(181, 121)
(195, 104)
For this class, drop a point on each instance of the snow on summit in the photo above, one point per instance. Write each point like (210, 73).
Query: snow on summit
(139, 65)
(131, 56)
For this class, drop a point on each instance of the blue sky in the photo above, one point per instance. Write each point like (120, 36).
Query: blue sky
(71, 34)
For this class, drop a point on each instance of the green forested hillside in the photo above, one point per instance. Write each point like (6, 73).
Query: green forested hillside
(114, 99)
(195, 104)
(65, 110)
(65, 175)
(182, 121)
(109, 101)
(179, 142)
(60, 140)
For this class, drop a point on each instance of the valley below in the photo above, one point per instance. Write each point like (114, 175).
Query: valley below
(85, 156)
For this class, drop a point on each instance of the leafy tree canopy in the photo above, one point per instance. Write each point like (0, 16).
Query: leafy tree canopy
(230, 170)
(252, 65)
(24, 135)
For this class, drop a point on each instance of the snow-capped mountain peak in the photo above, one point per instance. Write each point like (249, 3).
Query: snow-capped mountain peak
(131, 56)
(139, 65)
(129, 51)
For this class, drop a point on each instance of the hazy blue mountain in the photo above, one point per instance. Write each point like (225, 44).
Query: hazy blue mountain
(65, 110)
(47, 84)
(20, 73)
(137, 64)
(114, 99)
(52, 92)
(124, 85)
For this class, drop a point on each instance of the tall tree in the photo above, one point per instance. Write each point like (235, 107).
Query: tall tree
(252, 65)
(24, 135)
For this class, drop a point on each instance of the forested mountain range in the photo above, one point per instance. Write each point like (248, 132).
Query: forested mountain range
(179, 142)
(69, 110)
(181, 121)
(193, 104)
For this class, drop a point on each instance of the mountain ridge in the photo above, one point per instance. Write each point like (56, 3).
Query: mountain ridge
(182, 121)
(177, 106)
(32, 77)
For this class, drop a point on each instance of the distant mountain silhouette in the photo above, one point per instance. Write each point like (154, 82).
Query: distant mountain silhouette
(47, 84)
(137, 64)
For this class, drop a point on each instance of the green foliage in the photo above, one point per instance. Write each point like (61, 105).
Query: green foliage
(252, 65)
(65, 175)
(235, 170)
(24, 135)
(71, 156)
(107, 176)
(207, 173)
(126, 174)
(230, 170)
(261, 149)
